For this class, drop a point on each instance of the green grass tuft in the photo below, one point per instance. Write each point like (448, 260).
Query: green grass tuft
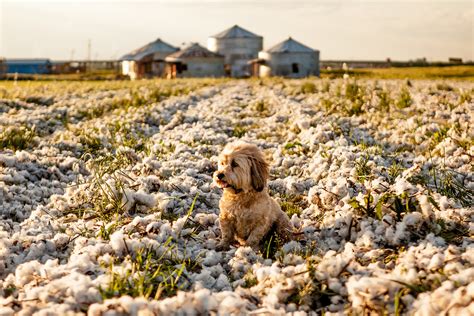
(149, 275)
(17, 138)
(404, 99)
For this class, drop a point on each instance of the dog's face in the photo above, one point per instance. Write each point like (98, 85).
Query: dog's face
(242, 168)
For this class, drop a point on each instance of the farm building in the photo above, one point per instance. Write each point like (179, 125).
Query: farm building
(238, 46)
(147, 61)
(194, 61)
(288, 59)
(84, 66)
(3, 67)
(28, 66)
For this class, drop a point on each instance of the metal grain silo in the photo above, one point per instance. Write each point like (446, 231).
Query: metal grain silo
(289, 59)
(238, 46)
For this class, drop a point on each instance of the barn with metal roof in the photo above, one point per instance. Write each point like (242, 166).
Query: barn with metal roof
(238, 46)
(289, 58)
(147, 61)
(28, 66)
(194, 61)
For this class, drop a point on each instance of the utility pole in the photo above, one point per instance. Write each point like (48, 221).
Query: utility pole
(89, 48)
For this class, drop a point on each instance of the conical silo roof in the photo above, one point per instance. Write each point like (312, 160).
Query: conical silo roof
(236, 32)
(290, 46)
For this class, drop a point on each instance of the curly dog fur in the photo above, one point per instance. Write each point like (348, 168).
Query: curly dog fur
(247, 212)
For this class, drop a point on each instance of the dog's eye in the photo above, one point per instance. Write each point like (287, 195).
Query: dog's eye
(234, 164)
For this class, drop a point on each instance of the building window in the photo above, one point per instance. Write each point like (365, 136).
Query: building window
(294, 68)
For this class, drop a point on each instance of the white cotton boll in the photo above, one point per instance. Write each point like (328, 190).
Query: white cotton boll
(222, 283)
(468, 255)
(61, 240)
(413, 219)
(106, 259)
(8, 160)
(443, 203)
(291, 246)
(231, 304)
(191, 172)
(6, 311)
(471, 228)
(245, 253)
(366, 240)
(295, 221)
(263, 272)
(117, 241)
(204, 301)
(379, 184)
(271, 300)
(68, 163)
(216, 270)
(179, 224)
(425, 206)
(205, 219)
(303, 123)
(143, 198)
(435, 240)
(401, 186)
(151, 183)
(292, 259)
(81, 262)
(205, 279)
(334, 285)
(212, 258)
(291, 308)
(313, 195)
(464, 277)
(153, 227)
(165, 232)
(163, 200)
(401, 233)
(25, 272)
(436, 261)
(127, 199)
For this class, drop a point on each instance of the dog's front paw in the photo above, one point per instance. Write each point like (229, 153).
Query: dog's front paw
(222, 246)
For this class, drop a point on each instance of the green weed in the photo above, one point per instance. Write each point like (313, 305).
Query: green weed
(17, 138)
(384, 100)
(239, 131)
(149, 275)
(404, 99)
(308, 87)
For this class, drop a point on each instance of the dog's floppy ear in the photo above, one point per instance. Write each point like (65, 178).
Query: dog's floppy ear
(259, 174)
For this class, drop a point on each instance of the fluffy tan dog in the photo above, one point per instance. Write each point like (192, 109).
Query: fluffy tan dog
(247, 212)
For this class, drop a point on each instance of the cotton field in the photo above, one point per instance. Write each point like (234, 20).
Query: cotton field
(108, 208)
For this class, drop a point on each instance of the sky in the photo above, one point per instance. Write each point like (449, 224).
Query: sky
(340, 29)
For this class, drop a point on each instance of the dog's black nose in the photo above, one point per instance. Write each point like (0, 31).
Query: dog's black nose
(220, 176)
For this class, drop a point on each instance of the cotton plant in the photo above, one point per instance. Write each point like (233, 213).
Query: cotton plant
(107, 199)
